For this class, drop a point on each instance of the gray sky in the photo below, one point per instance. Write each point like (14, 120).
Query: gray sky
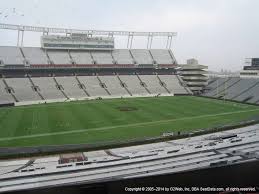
(219, 33)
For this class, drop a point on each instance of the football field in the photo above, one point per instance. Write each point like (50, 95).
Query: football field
(114, 120)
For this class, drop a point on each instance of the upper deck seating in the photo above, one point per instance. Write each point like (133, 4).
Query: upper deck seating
(35, 55)
(59, 57)
(142, 56)
(102, 57)
(122, 56)
(81, 57)
(11, 55)
(162, 56)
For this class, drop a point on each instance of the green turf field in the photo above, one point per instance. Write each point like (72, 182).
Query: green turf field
(114, 119)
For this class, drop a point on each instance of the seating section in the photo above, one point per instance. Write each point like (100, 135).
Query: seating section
(224, 85)
(233, 88)
(60, 88)
(11, 55)
(216, 83)
(234, 91)
(162, 56)
(173, 84)
(133, 84)
(48, 88)
(5, 97)
(93, 86)
(81, 87)
(71, 87)
(122, 56)
(113, 85)
(81, 58)
(35, 55)
(251, 96)
(153, 84)
(238, 89)
(59, 57)
(103, 57)
(172, 56)
(142, 56)
(23, 89)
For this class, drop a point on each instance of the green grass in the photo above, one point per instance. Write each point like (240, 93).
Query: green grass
(101, 120)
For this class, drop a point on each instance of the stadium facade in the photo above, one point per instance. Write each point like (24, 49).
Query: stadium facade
(83, 57)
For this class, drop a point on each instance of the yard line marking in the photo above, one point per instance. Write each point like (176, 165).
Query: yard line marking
(119, 126)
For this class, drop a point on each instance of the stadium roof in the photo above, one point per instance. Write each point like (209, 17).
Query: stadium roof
(92, 32)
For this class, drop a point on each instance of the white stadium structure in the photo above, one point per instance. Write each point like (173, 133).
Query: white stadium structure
(83, 64)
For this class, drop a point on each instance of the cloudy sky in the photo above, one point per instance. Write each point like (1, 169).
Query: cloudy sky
(219, 33)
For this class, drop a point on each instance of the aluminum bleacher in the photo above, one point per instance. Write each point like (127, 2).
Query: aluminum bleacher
(103, 57)
(71, 87)
(35, 55)
(82, 87)
(23, 89)
(5, 97)
(173, 84)
(238, 89)
(114, 86)
(133, 84)
(212, 88)
(153, 84)
(11, 56)
(51, 87)
(122, 56)
(227, 84)
(81, 57)
(48, 88)
(92, 86)
(59, 57)
(142, 56)
(254, 94)
(192, 153)
(162, 56)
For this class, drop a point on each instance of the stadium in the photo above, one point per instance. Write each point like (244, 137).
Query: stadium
(78, 112)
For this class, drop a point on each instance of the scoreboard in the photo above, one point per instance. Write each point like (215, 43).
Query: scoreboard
(255, 62)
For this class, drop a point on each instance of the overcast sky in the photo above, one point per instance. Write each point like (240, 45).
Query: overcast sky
(219, 33)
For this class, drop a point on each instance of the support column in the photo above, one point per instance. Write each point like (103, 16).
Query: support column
(131, 41)
(149, 41)
(169, 41)
(22, 38)
(18, 38)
